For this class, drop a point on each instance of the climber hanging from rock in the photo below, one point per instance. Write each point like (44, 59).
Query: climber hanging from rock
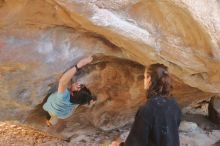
(62, 103)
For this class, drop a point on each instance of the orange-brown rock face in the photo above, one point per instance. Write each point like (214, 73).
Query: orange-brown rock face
(118, 85)
(40, 39)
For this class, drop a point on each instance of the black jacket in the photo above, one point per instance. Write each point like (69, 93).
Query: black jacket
(156, 124)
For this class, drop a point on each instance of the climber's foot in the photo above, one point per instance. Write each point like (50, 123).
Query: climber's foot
(48, 123)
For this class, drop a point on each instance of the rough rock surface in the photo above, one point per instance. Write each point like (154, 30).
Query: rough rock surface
(40, 39)
(12, 133)
(119, 91)
(217, 143)
(199, 137)
(214, 109)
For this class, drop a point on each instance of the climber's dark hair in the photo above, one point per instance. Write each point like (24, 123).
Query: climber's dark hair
(160, 81)
(83, 96)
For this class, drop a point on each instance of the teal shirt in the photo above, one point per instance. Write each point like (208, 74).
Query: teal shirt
(59, 104)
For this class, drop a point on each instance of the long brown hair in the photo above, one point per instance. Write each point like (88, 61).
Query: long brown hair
(160, 81)
(83, 96)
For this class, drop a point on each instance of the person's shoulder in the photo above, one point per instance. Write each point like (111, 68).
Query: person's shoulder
(145, 112)
(173, 102)
(62, 94)
(159, 101)
(145, 108)
(156, 101)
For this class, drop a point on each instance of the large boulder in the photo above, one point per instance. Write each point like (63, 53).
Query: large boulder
(40, 39)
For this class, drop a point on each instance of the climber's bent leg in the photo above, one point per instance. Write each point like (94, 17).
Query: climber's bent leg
(53, 119)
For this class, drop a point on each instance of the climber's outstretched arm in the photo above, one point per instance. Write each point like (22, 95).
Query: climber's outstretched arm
(67, 76)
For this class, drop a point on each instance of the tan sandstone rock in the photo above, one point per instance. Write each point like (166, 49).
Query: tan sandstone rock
(40, 39)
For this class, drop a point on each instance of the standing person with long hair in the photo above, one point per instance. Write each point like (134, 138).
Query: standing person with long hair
(157, 121)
